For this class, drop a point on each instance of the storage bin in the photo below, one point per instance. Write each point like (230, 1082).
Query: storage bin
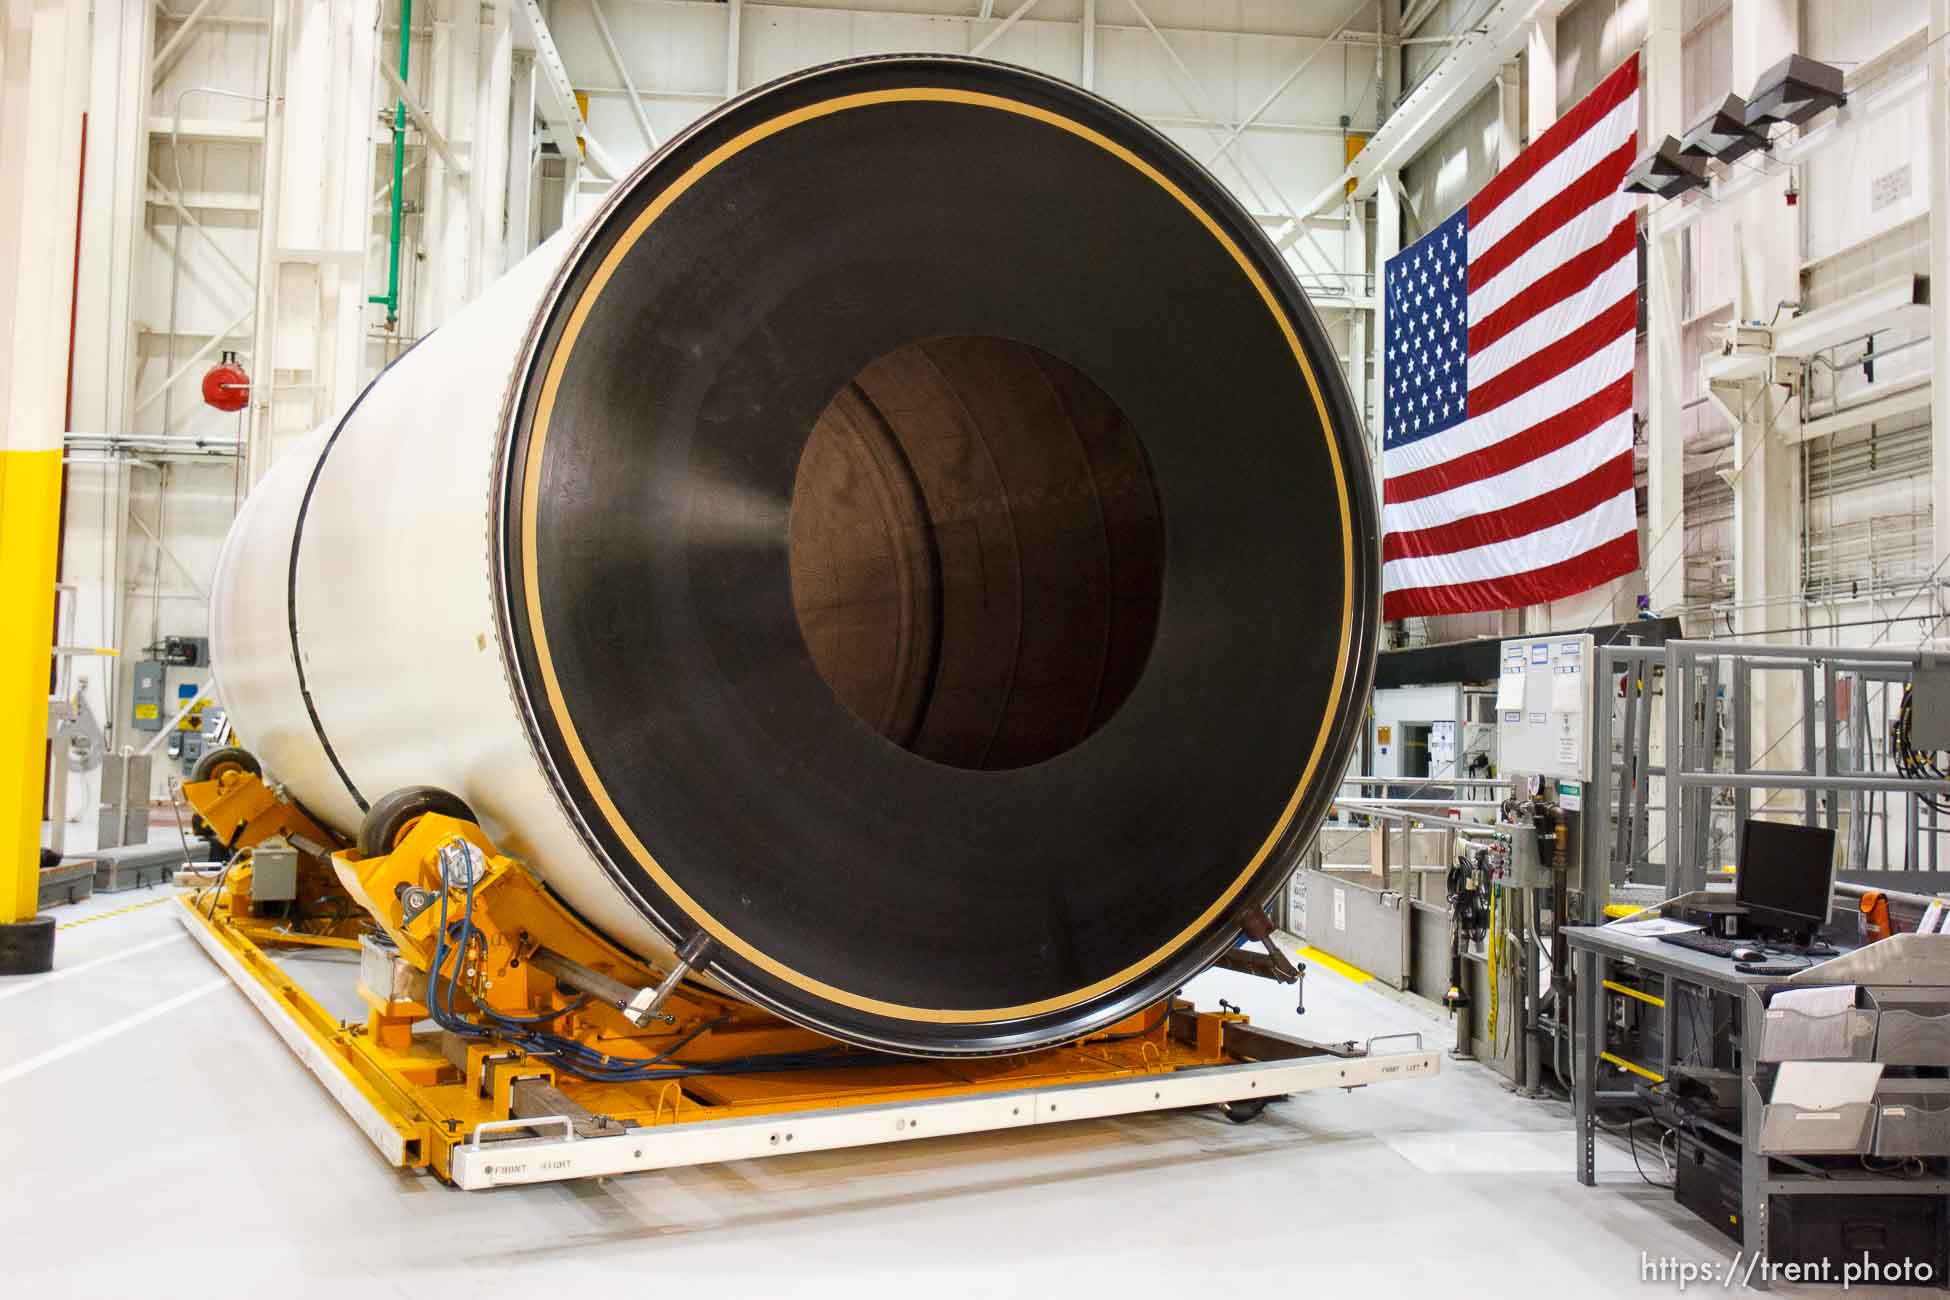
(1912, 1123)
(1913, 1038)
(1787, 1129)
(1789, 1035)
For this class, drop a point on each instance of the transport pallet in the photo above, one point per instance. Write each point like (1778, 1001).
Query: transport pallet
(463, 953)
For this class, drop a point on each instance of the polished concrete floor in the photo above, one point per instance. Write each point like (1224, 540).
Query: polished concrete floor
(158, 1140)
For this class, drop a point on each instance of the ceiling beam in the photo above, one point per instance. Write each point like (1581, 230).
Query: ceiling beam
(623, 71)
(456, 169)
(555, 99)
(1016, 15)
(1471, 65)
(179, 41)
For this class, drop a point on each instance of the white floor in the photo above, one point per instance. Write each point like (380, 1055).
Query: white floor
(158, 1140)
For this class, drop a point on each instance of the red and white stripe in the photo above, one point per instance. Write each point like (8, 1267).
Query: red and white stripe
(1530, 498)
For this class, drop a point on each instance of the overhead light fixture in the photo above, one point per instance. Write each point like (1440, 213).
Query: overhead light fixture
(1723, 133)
(1666, 172)
(1794, 90)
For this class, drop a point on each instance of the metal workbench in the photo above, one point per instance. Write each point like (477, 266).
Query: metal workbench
(1596, 949)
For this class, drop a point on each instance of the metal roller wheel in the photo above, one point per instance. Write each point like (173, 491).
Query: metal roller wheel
(218, 762)
(394, 814)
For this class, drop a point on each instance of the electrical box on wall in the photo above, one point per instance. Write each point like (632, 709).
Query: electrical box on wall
(1543, 707)
(183, 651)
(147, 695)
(1929, 727)
(198, 731)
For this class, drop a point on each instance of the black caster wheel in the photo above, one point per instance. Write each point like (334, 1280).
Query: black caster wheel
(1245, 1112)
(394, 814)
(219, 762)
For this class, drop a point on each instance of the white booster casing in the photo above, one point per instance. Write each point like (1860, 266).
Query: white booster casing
(404, 675)
(834, 555)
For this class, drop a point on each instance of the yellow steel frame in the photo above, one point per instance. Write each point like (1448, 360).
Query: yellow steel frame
(420, 1093)
(1630, 992)
(1631, 1067)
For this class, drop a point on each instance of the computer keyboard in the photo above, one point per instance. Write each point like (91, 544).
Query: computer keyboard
(1706, 943)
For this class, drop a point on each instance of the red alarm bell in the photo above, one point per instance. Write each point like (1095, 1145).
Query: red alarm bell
(226, 386)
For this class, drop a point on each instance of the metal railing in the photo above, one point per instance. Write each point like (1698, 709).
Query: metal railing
(1829, 762)
(1395, 819)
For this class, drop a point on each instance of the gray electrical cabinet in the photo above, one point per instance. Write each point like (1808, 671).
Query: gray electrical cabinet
(1543, 706)
(1929, 728)
(147, 695)
(274, 871)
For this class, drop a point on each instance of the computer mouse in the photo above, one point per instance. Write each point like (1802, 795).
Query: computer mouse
(1748, 954)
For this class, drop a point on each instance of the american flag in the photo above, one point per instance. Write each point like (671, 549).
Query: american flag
(1507, 447)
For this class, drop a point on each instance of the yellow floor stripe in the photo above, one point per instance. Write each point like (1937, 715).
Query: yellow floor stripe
(1336, 965)
(120, 911)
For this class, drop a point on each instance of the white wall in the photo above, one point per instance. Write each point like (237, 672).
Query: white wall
(1869, 514)
(132, 588)
(1595, 36)
(1457, 164)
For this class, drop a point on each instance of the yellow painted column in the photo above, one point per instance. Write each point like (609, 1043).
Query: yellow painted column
(43, 87)
(30, 505)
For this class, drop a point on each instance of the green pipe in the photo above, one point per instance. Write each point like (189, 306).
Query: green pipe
(391, 296)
